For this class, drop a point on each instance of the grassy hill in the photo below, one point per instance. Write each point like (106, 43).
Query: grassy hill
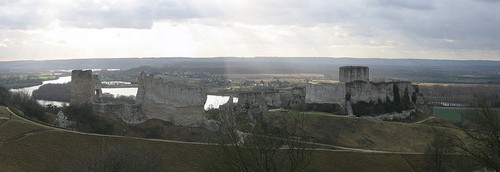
(368, 134)
(25, 146)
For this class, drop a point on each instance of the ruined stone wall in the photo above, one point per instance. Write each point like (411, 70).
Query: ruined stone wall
(158, 90)
(186, 116)
(325, 93)
(372, 92)
(297, 97)
(131, 114)
(354, 73)
(156, 98)
(358, 90)
(85, 87)
(271, 99)
(170, 101)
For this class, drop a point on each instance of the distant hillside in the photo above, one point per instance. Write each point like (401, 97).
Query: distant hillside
(127, 63)
(443, 71)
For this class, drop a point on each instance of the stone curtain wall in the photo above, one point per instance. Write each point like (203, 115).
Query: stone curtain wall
(372, 92)
(359, 90)
(326, 93)
(158, 90)
(170, 101)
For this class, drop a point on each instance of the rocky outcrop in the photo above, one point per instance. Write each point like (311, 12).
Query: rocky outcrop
(391, 116)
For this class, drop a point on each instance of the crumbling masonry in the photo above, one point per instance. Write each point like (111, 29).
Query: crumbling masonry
(85, 88)
(354, 86)
(156, 98)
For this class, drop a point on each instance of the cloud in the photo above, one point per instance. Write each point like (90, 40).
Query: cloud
(27, 14)
(489, 0)
(129, 14)
(22, 15)
(258, 26)
(416, 5)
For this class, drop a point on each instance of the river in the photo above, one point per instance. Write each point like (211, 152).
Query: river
(29, 90)
(213, 101)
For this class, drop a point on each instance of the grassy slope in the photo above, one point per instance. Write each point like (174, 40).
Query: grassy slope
(50, 149)
(369, 134)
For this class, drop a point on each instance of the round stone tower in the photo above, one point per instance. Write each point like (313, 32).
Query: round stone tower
(354, 73)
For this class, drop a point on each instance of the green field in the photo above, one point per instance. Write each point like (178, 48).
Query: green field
(453, 114)
(450, 114)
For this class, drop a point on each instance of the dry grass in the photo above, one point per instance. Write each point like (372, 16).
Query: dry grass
(369, 134)
(4, 113)
(60, 150)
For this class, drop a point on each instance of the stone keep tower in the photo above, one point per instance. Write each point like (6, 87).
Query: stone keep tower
(354, 73)
(85, 87)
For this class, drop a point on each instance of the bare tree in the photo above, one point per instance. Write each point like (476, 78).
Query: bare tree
(482, 140)
(440, 152)
(250, 141)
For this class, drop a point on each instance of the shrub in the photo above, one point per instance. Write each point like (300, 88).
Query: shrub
(86, 121)
(24, 102)
(321, 107)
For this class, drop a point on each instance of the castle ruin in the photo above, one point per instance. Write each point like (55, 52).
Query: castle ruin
(353, 87)
(85, 87)
(157, 98)
(354, 73)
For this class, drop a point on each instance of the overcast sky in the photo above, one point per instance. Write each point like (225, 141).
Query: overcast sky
(436, 29)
